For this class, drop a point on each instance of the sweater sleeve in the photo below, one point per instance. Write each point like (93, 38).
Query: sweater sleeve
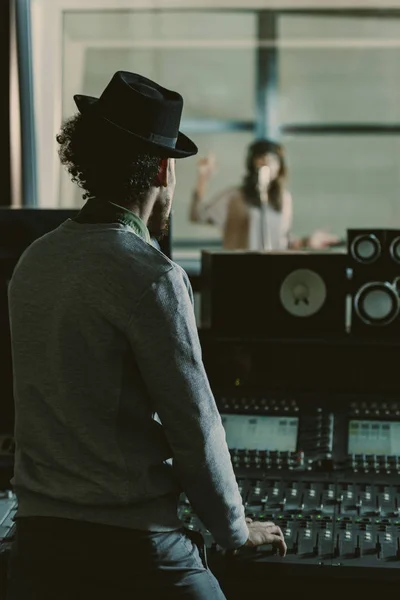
(163, 334)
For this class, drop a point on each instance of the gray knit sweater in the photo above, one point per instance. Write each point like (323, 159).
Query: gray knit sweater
(103, 340)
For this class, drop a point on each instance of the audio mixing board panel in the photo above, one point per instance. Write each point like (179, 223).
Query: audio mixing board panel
(8, 508)
(324, 465)
(328, 473)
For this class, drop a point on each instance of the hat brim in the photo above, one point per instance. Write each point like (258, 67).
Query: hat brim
(184, 146)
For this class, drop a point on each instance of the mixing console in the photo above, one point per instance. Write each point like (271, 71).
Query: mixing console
(8, 508)
(326, 472)
(326, 469)
(324, 523)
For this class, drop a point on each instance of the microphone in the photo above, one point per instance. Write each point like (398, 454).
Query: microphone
(264, 178)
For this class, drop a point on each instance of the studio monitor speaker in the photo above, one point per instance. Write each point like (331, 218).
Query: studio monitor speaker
(274, 294)
(374, 259)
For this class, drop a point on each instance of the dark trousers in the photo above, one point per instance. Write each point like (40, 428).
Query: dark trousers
(60, 559)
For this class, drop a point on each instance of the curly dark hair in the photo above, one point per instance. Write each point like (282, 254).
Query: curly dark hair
(250, 181)
(104, 161)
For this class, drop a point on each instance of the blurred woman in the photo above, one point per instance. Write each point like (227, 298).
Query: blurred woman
(258, 214)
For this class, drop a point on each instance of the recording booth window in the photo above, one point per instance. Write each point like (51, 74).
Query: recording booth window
(290, 89)
(340, 121)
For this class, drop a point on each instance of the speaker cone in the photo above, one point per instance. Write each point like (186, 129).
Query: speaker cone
(365, 248)
(303, 293)
(395, 249)
(377, 303)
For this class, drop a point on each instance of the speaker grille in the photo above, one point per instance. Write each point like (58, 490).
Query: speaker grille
(377, 303)
(303, 293)
(395, 249)
(365, 248)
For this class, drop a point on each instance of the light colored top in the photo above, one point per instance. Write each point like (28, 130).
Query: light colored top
(241, 224)
(104, 339)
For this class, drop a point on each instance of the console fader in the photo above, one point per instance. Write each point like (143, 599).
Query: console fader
(327, 473)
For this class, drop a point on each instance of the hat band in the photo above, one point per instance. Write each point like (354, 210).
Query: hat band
(161, 139)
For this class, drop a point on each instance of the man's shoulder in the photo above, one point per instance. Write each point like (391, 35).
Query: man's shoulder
(124, 257)
(145, 260)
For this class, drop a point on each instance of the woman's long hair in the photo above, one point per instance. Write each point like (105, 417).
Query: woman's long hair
(250, 182)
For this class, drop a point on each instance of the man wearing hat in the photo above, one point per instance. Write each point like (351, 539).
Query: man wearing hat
(114, 413)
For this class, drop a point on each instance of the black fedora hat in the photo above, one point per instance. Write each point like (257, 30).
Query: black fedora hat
(143, 109)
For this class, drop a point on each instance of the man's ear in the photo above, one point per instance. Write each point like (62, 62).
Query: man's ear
(161, 179)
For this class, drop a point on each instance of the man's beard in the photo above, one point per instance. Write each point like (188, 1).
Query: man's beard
(158, 223)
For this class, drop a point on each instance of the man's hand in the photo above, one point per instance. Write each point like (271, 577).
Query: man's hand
(265, 533)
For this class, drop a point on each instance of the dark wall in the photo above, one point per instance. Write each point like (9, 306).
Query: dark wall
(5, 175)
